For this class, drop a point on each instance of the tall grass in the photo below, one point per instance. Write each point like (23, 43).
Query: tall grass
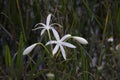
(95, 20)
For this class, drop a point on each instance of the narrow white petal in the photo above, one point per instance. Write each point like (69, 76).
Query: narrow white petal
(56, 24)
(37, 28)
(55, 49)
(42, 32)
(68, 44)
(63, 52)
(51, 42)
(65, 37)
(56, 35)
(40, 24)
(81, 40)
(29, 49)
(48, 19)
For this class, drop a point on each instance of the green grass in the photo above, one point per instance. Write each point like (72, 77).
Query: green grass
(94, 20)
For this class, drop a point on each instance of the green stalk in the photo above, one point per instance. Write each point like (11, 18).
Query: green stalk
(49, 34)
(21, 20)
(86, 5)
(84, 65)
(50, 38)
(103, 39)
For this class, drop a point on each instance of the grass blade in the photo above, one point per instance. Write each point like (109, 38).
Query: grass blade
(8, 59)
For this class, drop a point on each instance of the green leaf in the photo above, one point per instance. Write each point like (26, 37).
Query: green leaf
(19, 61)
(8, 59)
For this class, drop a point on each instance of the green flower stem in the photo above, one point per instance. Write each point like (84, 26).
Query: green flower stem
(49, 34)
(50, 39)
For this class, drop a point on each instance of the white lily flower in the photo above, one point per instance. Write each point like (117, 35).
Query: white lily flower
(46, 26)
(29, 49)
(60, 43)
(80, 40)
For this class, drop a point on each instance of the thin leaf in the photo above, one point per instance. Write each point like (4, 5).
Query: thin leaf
(8, 59)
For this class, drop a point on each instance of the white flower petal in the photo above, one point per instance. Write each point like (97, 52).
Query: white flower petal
(81, 40)
(37, 28)
(40, 24)
(65, 37)
(29, 49)
(63, 52)
(68, 44)
(48, 19)
(53, 24)
(42, 32)
(55, 49)
(56, 35)
(51, 42)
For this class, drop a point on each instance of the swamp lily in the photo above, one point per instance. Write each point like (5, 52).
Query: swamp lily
(46, 26)
(29, 49)
(80, 40)
(60, 43)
